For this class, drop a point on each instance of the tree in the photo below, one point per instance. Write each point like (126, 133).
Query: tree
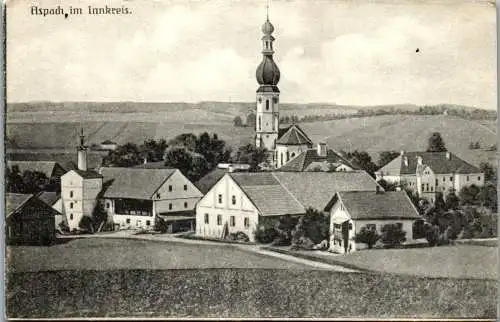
(99, 216)
(153, 150)
(488, 197)
(187, 140)
(191, 164)
(367, 236)
(237, 121)
(14, 180)
(436, 143)
(251, 155)
(127, 155)
(431, 234)
(469, 195)
(251, 120)
(285, 228)
(439, 203)
(314, 226)
(34, 181)
(386, 157)
(388, 186)
(452, 201)
(362, 160)
(488, 170)
(392, 235)
(265, 234)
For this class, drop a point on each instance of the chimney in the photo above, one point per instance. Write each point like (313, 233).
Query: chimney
(405, 161)
(82, 153)
(321, 149)
(419, 160)
(448, 155)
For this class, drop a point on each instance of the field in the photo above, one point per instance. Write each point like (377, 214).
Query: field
(59, 130)
(111, 254)
(461, 261)
(219, 293)
(94, 277)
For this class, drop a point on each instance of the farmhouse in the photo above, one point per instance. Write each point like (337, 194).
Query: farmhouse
(428, 173)
(239, 201)
(319, 159)
(352, 210)
(136, 198)
(28, 220)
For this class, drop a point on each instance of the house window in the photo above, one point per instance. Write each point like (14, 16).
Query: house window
(170, 188)
(427, 186)
(71, 216)
(148, 223)
(107, 205)
(371, 227)
(444, 179)
(71, 194)
(247, 222)
(451, 178)
(219, 220)
(185, 187)
(287, 156)
(220, 198)
(206, 218)
(185, 205)
(127, 221)
(437, 183)
(233, 200)
(232, 221)
(350, 226)
(423, 187)
(158, 195)
(479, 178)
(169, 206)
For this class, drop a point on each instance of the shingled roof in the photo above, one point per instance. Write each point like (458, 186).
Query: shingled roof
(133, 183)
(294, 136)
(371, 205)
(49, 197)
(281, 193)
(437, 161)
(14, 201)
(309, 159)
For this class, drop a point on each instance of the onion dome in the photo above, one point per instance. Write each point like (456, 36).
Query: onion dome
(267, 27)
(267, 72)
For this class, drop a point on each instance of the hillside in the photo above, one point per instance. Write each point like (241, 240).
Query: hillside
(372, 134)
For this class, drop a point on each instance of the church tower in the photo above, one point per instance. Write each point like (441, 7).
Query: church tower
(268, 76)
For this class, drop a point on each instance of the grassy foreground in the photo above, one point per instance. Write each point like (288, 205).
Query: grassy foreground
(243, 293)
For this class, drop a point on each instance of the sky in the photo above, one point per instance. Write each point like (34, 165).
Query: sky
(352, 52)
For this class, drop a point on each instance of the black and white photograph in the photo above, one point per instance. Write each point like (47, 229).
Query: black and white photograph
(250, 159)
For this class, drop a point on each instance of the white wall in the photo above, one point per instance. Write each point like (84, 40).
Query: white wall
(293, 150)
(178, 196)
(210, 205)
(126, 221)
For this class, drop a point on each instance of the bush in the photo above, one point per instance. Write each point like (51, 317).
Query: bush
(367, 236)
(265, 235)
(431, 233)
(285, 228)
(238, 236)
(392, 235)
(314, 226)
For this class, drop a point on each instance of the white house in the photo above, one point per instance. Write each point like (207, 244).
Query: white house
(350, 211)
(108, 145)
(427, 173)
(241, 200)
(136, 198)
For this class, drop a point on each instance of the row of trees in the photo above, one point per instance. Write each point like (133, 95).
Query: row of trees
(28, 181)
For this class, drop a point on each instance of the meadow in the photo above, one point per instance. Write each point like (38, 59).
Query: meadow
(58, 129)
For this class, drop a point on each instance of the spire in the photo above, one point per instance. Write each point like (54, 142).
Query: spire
(82, 138)
(267, 72)
(267, 10)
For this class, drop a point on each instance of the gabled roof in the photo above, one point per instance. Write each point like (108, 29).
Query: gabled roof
(45, 167)
(372, 205)
(281, 193)
(49, 197)
(294, 136)
(309, 159)
(437, 161)
(267, 194)
(316, 189)
(14, 201)
(133, 183)
(210, 179)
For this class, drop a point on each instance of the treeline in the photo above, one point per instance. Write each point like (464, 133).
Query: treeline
(473, 114)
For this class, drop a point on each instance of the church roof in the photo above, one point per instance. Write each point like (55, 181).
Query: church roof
(294, 136)
(307, 160)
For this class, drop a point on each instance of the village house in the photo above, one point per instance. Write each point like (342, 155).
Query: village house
(28, 220)
(428, 173)
(352, 210)
(136, 198)
(239, 201)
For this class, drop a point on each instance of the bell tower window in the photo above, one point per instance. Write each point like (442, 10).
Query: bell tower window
(267, 105)
(260, 122)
